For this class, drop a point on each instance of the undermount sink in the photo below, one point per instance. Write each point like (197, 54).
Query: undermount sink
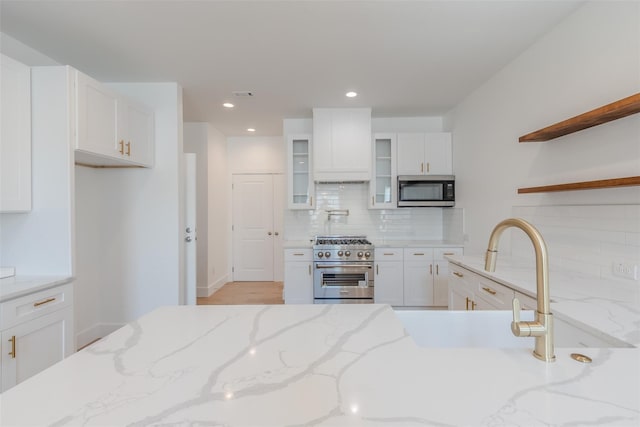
(488, 329)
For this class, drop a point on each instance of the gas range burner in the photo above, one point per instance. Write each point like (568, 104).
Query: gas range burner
(342, 240)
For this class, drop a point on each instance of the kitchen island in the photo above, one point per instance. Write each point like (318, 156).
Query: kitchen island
(333, 365)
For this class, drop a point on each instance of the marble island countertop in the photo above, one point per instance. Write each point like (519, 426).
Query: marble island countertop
(609, 307)
(325, 365)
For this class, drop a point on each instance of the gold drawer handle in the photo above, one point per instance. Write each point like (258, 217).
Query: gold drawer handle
(121, 144)
(458, 274)
(449, 253)
(129, 148)
(298, 254)
(491, 291)
(388, 253)
(418, 253)
(12, 353)
(47, 301)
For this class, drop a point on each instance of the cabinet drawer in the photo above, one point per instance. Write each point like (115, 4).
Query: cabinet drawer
(418, 254)
(34, 305)
(460, 275)
(439, 253)
(388, 254)
(298, 254)
(496, 294)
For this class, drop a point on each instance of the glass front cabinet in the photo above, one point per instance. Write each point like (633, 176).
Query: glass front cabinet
(383, 186)
(300, 180)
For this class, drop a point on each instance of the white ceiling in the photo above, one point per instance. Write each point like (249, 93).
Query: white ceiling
(412, 58)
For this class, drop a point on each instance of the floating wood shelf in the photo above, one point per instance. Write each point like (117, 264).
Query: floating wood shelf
(586, 185)
(616, 110)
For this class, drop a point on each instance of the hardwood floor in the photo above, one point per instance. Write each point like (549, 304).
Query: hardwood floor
(246, 293)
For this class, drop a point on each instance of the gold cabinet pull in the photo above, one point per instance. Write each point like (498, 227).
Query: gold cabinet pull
(121, 144)
(427, 167)
(388, 253)
(418, 253)
(466, 304)
(437, 269)
(491, 291)
(421, 167)
(311, 201)
(449, 253)
(298, 254)
(430, 268)
(12, 353)
(129, 148)
(309, 269)
(373, 200)
(455, 273)
(377, 270)
(47, 301)
(473, 305)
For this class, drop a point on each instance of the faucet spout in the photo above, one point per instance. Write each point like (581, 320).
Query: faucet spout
(542, 327)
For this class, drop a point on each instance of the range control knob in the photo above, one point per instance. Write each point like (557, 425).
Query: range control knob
(327, 254)
(360, 254)
(367, 254)
(347, 253)
(320, 254)
(340, 253)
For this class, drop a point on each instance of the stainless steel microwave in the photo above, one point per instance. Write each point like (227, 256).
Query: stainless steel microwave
(426, 190)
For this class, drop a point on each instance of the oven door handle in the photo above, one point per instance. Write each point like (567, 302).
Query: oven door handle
(343, 266)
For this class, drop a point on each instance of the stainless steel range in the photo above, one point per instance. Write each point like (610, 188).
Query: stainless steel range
(342, 270)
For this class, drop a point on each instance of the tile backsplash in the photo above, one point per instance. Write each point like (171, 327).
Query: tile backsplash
(379, 224)
(586, 239)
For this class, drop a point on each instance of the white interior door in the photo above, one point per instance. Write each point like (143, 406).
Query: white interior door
(190, 252)
(253, 232)
(278, 226)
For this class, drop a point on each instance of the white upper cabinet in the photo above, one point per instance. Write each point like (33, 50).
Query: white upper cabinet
(424, 154)
(15, 139)
(300, 185)
(382, 187)
(341, 144)
(110, 129)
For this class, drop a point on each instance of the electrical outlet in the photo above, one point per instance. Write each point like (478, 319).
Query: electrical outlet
(626, 270)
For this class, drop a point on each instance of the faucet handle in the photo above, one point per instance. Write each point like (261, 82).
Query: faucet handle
(518, 328)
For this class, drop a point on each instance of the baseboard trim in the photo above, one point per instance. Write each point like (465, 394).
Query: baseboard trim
(95, 332)
(212, 288)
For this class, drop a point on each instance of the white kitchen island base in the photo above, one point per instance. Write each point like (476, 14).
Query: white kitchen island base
(331, 365)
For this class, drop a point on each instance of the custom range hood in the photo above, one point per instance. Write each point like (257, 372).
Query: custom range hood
(341, 145)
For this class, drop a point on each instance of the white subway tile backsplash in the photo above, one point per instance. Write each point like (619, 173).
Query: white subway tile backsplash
(389, 224)
(587, 239)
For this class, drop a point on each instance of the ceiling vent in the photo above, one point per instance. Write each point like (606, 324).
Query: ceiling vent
(242, 93)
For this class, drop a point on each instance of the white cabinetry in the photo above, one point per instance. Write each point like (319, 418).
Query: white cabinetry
(341, 144)
(15, 136)
(300, 186)
(424, 154)
(298, 276)
(382, 188)
(110, 129)
(37, 331)
(471, 291)
(412, 276)
(388, 283)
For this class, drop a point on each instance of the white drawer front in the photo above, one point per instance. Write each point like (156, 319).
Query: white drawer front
(35, 305)
(439, 253)
(497, 294)
(388, 254)
(418, 254)
(298, 254)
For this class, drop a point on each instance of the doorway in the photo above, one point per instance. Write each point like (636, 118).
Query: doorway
(257, 227)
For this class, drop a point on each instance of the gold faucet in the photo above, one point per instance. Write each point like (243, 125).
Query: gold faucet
(542, 327)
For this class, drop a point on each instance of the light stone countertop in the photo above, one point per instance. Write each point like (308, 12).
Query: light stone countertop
(17, 286)
(609, 307)
(324, 365)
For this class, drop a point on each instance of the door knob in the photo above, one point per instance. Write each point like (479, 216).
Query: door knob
(188, 230)
(188, 239)
(269, 233)
(276, 233)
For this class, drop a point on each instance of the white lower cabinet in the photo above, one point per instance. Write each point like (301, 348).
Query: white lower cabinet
(388, 285)
(298, 276)
(414, 277)
(37, 332)
(471, 291)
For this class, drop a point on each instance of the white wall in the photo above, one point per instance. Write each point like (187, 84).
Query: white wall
(139, 248)
(196, 141)
(590, 59)
(219, 211)
(256, 154)
(23, 53)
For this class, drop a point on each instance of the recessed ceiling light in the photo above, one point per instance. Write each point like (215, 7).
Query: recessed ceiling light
(251, 130)
(351, 94)
(228, 105)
